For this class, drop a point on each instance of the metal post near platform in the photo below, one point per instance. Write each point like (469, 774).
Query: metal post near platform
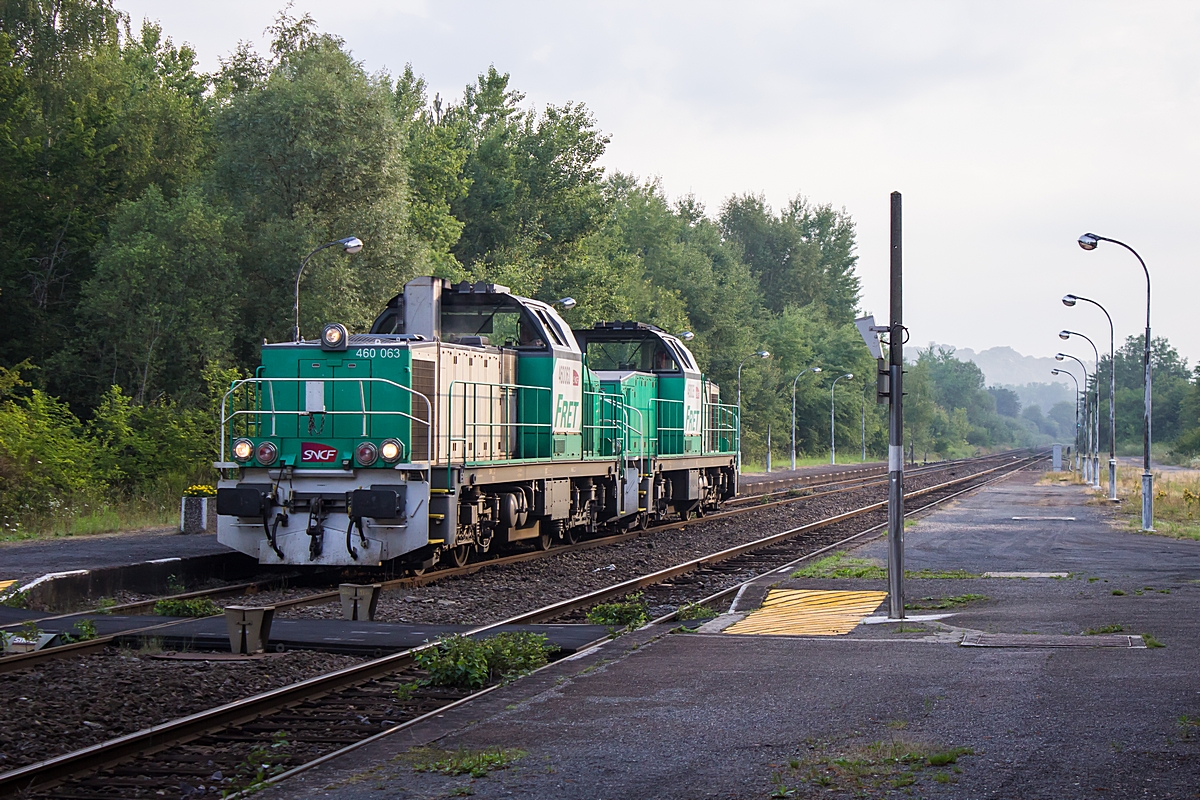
(896, 425)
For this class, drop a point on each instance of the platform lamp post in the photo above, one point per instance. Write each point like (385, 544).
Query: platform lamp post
(1087, 430)
(802, 373)
(1069, 301)
(864, 423)
(832, 418)
(1096, 413)
(759, 354)
(1088, 242)
(1071, 375)
(351, 245)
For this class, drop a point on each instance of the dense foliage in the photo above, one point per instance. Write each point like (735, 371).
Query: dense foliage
(152, 218)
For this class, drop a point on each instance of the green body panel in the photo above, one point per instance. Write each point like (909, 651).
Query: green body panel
(669, 416)
(639, 391)
(340, 431)
(550, 416)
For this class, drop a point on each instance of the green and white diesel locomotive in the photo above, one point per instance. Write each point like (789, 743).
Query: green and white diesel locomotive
(468, 418)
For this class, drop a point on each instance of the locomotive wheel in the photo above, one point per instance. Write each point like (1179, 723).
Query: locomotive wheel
(416, 572)
(459, 556)
(544, 541)
(571, 535)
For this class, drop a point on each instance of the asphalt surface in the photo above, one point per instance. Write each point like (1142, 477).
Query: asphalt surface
(25, 561)
(657, 715)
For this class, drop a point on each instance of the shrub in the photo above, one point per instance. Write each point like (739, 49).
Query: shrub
(630, 613)
(464, 663)
(196, 607)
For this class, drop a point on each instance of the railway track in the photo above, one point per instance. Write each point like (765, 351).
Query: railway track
(744, 505)
(803, 488)
(217, 748)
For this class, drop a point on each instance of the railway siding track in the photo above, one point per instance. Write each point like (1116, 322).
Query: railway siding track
(356, 701)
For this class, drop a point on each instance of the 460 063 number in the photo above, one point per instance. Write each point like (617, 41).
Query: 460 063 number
(383, 352)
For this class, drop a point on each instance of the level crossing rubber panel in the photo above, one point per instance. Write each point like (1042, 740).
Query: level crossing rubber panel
(808, 612)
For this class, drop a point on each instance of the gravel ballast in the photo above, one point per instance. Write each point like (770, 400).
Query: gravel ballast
(66, 704)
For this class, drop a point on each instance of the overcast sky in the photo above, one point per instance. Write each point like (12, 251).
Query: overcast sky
(1010, 128)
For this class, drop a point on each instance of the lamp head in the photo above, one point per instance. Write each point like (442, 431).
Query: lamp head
(351, 244)
(763, 354)
(1059, 357)
(1069, 300)
(687, 336)
(816, 369)
(567, 303)
(1055, 372)
(1089, 241)
(1064, 334)
(850, 375)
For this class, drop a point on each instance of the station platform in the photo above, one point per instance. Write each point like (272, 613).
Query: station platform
(327, 635)
(1031, 687)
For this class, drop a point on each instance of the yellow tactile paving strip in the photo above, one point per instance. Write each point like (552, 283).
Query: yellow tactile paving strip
(808, 612)
(5, 584)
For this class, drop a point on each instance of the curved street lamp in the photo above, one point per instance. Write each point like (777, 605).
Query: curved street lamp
(1088, 242)
(351, 245)
(1069, 301)
(759, 354)
(1087, 429)
(1064, 334)
(1071, 375)
(801, 374)
(832, 422)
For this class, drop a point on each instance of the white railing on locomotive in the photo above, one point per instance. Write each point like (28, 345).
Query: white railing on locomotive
(671, 430)
(508, 392)
(615, 424)
(259, 412)
(721, 418)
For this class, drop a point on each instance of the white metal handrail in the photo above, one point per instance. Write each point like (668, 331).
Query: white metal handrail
(363, 412)
(473, 425)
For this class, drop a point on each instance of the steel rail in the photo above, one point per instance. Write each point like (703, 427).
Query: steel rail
(178, 731)
(299, 768)
(11, 663)
(712, 598)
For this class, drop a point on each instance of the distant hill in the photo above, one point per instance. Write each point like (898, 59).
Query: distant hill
(1028, 376)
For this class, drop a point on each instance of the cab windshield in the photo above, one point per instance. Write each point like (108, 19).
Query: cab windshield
(645, 355)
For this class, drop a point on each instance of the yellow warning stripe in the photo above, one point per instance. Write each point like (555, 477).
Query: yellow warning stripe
(5, 584)
(808, 612)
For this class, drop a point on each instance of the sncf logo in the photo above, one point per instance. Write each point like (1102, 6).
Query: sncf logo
(314, 452)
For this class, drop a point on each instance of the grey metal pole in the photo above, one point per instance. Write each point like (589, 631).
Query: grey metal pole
(1087, 426)
(739, 425)
(1088, 242)
(768, 447)
(1094, 429)
(794, 380)
(832, 422)
(1072, 377)
(896, 420)
(832, 438)
(1069, 300)
(864, 423)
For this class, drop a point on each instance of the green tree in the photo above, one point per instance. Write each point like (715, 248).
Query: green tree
(161, 302)
(310, 150)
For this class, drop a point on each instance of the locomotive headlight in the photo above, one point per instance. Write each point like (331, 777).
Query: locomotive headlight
(243, 449)
(266, 453)
(390, 450)
(334, 336)
(366, 454)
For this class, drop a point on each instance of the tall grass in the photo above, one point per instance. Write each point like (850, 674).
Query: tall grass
(1176, 501)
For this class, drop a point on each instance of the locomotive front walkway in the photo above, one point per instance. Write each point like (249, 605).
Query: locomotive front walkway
(656, 715)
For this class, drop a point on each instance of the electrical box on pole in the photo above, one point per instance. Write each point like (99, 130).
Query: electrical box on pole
(895, 397)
